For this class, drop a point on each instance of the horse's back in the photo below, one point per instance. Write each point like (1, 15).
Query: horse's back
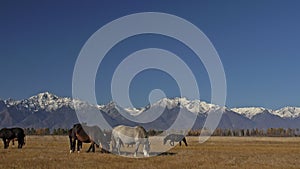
(129, 134)
(10, 133)
(19, 132)
(175, 137)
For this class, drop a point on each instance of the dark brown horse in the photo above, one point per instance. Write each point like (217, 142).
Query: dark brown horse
(175, 137)
(87, 134)
(10, 134)
(73, 139)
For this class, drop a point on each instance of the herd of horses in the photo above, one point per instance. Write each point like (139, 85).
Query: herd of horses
(81, 133)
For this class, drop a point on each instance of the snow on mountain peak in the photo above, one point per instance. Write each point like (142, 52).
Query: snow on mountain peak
(49, 102)
(249, 112)
(134, 111)
(42, 101)
(288, 112)
(194, 106)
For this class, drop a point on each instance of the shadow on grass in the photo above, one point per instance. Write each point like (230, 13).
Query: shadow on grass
(162, 154)
(130, 154)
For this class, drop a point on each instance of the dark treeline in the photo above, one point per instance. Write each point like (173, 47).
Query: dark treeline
(270, 132)
(46, 131)
(61, 131)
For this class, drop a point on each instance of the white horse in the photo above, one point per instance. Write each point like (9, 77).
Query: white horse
(130, 135)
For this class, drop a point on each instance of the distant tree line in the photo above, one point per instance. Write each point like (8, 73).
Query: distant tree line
(153, 132)
(46, 131)
(270, 132)
(62, 131)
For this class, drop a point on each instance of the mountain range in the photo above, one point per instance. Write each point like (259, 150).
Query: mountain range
(46, 110)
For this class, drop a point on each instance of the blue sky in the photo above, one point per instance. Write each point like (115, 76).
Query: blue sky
(258, 43)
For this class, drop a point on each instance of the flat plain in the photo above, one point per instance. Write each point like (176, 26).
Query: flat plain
(217, 152)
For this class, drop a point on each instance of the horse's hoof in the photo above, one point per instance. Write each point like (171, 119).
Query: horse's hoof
(78, 152)
(71, 151)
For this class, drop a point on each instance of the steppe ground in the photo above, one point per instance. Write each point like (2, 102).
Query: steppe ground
(217, 152)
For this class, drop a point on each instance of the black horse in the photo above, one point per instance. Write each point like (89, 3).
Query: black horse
(175, 137)
(10, 134)
(73, 139)
(87, 134)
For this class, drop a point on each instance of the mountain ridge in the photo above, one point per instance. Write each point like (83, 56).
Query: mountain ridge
(49, 110)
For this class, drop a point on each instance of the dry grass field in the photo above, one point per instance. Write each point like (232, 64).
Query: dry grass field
(217, 152)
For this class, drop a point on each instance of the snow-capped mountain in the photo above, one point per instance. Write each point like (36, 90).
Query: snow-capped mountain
(194, 106)
(288, 112)
(249, 112)
(51, 111)
(42, 101)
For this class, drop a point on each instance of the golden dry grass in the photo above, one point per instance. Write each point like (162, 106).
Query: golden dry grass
(217, 152)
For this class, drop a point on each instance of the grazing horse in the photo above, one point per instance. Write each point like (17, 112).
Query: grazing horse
(175, 137)
(73, 139)
(130, 135)
(8, 134)
(87, 134)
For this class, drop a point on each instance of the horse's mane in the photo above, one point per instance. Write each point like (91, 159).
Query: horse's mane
(144, 131)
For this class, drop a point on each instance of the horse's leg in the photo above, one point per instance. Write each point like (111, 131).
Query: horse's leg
(172, 142)
(184, 140)
(4, 142)
(89, 148)
(93, 147)
(137, 144)
(112, 144)
(20, 142)
(79, 145)
(7, 143)
(71, 144)
(146, 153)
(118, 145)
(101, 148)
(179, 143)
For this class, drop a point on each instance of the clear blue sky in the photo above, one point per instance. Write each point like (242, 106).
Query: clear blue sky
(257, 41)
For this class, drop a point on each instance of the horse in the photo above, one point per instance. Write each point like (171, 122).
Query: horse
(130, 135)
(87, 134)
(73, 139)
(175, 137)
(8, 134)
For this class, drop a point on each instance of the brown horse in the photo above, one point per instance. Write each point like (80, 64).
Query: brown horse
(73, 139)
(87, 134)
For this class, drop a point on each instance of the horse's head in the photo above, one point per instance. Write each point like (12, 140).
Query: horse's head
(165, 140)
(105, 147)
(2, 133)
